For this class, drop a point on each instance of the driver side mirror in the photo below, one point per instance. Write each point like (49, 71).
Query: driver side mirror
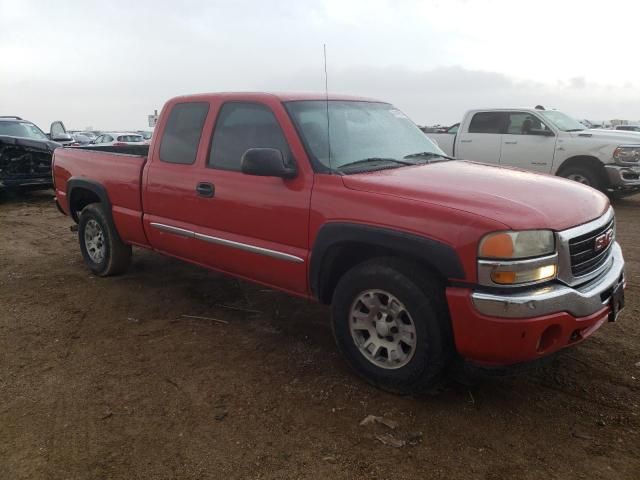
(58, 133)
(266, 162)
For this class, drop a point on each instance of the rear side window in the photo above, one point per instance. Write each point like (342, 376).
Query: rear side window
(130, 138)
(488, 122)
(182, 133)
(241, 126)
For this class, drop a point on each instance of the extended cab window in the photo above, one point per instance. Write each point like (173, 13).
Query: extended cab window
(522, 123)
(182, 133)
(241, 126)
(488, 122)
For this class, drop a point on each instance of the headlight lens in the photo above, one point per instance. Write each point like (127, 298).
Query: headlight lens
(517, 258)
(511, 276)
(627, 154)
(513, 245)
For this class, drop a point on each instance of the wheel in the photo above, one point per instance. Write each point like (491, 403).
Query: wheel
(391, 323)
(103, 251)
(584, 175)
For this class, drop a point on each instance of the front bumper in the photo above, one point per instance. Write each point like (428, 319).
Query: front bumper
(506, 329)
(580, 301)
(623, 176)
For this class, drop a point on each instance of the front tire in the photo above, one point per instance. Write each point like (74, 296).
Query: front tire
(584, 175)
(391, 323)
(102, 249)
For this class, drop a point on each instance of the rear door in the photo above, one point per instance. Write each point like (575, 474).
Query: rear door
(170, 199)
(528, 143)
(481, 140)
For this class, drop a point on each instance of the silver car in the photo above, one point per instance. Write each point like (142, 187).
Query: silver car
(118, 139)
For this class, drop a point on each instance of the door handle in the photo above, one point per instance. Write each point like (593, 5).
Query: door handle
(511, 143)
(205, 189)
(466, 141)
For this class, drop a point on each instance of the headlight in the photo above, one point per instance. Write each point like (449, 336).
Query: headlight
(627, 154)
(517, 258)
(511, 245)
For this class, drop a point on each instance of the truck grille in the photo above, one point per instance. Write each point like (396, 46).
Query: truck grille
(584, 257)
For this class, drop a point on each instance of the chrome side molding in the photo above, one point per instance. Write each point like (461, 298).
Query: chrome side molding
(227, 243)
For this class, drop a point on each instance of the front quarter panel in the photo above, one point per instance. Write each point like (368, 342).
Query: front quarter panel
(332, 202)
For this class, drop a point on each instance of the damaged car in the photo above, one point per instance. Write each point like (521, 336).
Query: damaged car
(25, 153)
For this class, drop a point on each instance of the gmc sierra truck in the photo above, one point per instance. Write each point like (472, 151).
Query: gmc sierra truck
(424, 260)
(547, 141)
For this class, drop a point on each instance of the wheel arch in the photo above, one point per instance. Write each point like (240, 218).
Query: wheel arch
(589, 161)
(341, 246)
(81, 192)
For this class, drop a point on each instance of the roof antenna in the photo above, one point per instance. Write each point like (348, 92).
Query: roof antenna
(326, 97)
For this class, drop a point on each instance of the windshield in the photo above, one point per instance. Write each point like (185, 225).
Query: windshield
(21, 129)
(562, 121)
(358, 131)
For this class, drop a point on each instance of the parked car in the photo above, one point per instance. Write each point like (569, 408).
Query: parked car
(628, 128)
(146, 135)
(547, 141)
(80, 138)
(118, 139)
(424, 260)
(25, 154)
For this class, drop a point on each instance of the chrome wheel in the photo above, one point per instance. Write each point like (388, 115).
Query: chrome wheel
(578, 177)
(382, 329)
(94, 241)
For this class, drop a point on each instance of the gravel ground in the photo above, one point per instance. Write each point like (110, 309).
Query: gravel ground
(105, 378)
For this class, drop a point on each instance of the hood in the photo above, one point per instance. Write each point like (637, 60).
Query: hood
(43, 145)
(518, 199)
(619, 137)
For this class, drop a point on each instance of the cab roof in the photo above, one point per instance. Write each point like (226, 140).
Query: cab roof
(282, 96)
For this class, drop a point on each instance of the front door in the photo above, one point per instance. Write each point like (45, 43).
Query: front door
(252, 226)
(528, 143)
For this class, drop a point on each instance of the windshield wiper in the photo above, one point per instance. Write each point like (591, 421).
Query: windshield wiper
(576, 130)
(428, 155)
(374, 160)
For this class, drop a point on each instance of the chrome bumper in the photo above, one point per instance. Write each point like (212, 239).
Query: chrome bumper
(620, 176)
(580, 301)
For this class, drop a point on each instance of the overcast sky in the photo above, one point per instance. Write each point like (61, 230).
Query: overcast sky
(109, 64)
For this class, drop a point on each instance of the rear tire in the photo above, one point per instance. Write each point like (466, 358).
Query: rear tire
(585, 175)
(391, 322)
(102, 249)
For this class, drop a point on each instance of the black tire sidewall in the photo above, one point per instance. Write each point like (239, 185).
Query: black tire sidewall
(429, 358)
(594, 180)
(92, 213)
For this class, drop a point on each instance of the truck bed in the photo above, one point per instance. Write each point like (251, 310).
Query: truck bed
(119, 174)
(142, 149)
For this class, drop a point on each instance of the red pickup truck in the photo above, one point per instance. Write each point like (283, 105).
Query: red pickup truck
(424, 259)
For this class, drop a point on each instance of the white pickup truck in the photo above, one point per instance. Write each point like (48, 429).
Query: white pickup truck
(547, 141)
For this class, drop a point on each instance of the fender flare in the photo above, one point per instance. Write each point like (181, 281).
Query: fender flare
(441, 256)
(92, 186)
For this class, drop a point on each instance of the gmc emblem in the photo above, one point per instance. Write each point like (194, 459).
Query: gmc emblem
(603, 241)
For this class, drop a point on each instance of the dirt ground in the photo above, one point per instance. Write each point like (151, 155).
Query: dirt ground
(104, 378)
